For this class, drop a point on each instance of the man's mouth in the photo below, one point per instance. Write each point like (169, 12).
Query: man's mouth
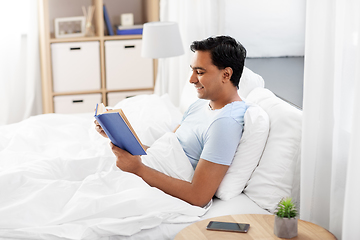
(200, 87)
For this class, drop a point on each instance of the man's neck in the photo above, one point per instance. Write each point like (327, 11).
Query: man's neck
(224, 100)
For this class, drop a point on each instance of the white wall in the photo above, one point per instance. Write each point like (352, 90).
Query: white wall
(267, 28)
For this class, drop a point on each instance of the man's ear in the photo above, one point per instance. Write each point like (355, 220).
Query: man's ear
(227, 73)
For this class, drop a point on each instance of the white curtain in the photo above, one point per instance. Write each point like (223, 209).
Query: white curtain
(331, 115)
(197, 19)
(20, 87)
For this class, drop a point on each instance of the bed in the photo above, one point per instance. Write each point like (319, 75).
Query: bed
(58, 179)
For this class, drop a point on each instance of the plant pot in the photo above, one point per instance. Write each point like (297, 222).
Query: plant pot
(285, 227)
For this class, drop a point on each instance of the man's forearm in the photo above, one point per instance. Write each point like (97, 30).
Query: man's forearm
(206, 179)
(172, 186)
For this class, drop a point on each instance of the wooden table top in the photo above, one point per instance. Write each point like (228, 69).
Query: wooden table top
(261, 227)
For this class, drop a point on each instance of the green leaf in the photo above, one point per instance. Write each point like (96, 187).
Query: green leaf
(286, 208)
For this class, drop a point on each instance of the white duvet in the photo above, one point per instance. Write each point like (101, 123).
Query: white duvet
(58, 179)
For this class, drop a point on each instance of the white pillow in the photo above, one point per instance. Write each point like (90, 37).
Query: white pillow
(249, 81)
(247, 156)
(151, 116)
(278, 169)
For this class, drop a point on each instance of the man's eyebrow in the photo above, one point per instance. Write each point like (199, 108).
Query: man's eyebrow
(196, 68)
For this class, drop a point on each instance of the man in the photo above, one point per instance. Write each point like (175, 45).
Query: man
(211, 128)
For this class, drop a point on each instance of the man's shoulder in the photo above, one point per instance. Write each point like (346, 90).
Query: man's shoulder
(240, 107)
(235, 110)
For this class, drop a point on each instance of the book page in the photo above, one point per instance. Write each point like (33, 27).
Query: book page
(100, 108)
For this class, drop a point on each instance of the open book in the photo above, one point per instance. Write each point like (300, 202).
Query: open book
(119, 130)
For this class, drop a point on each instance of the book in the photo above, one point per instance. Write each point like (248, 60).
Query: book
(119, 130)
(129, 31)
(107, 22)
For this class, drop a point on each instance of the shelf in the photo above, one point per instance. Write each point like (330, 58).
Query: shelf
(99, 91)
(85, 39)
(74, 39)
(77, 92)
(122, 37)
(130, 90)
(143, 10)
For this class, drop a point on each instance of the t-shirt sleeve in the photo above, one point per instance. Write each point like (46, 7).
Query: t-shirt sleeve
(184, 116)
(222, 140)
(186, 113)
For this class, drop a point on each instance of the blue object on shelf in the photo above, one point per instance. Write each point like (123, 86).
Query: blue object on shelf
(107, 21)
(134, 31)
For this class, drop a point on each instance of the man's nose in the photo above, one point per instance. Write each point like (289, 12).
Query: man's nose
(193, 78)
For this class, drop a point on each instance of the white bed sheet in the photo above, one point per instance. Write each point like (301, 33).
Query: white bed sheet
(240, 204)
(36, 142)
(58, 180)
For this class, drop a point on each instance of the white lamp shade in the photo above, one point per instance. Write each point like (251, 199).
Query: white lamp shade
(161, 40)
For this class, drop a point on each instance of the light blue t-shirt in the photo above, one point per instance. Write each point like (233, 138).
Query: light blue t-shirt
(213, 135)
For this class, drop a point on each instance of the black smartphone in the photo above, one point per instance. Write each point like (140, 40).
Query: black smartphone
(228, 226)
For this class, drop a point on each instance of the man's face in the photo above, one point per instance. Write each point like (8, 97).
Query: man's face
(206, 77)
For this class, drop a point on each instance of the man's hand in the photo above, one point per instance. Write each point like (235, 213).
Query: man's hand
(206, 180)
(99, 129)
(125, 161)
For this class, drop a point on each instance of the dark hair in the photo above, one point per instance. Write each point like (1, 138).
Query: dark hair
(225, 52)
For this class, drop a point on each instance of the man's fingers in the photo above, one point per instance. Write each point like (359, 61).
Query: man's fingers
(116, 149)
(99, 129)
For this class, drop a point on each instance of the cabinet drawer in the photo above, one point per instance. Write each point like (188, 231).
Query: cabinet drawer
(76, 66)
(115, 97)
(81, 103)
(125, 68)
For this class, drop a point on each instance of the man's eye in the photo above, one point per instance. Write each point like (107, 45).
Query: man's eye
(200, 73)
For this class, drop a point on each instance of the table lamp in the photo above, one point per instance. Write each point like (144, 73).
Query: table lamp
(161, 40)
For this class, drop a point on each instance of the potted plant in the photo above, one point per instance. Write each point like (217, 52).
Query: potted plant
(286, 223)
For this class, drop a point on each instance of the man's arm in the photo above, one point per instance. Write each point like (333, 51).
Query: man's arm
(205, 182)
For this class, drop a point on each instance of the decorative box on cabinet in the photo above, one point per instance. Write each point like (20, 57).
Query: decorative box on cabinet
(81, 103)
(115, 97)
(76, 66)
(124, 66)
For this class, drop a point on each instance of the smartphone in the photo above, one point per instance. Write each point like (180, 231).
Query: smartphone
(228, 226)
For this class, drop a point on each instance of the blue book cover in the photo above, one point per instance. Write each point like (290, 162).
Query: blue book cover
(107, 21)
(118, 129)
(134, 31)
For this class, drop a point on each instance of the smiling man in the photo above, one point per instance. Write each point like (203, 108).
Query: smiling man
(211, 128)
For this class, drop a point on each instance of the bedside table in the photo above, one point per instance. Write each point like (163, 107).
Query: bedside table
(261, 227)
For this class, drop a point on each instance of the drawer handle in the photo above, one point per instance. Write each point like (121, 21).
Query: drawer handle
(130, 46)
(78, 101)
(75, 48)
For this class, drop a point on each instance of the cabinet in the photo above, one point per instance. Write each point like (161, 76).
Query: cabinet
(75, 66)
(94, 72)
(121, 72)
